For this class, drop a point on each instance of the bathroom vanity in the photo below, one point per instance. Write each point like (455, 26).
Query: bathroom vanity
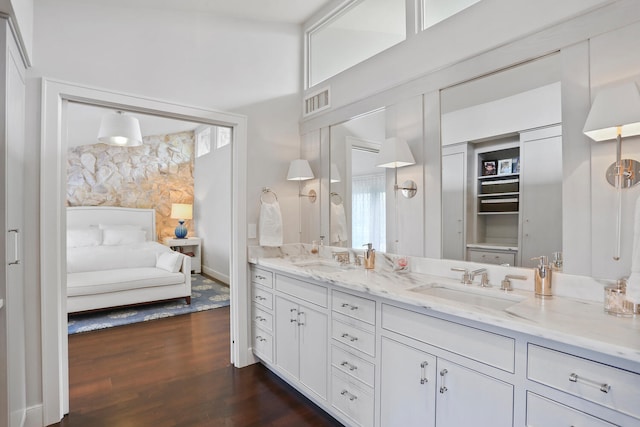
(417, 348)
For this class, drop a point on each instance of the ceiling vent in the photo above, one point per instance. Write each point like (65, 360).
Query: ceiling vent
(317, 101)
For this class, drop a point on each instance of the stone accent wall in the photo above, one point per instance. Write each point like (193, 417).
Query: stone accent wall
(154, 175)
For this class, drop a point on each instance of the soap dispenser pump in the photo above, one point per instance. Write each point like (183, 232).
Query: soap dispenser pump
(369, 257)
(543, 277)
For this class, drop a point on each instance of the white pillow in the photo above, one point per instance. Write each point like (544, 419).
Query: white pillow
(81, 237)
(170, 261)
(111, 237)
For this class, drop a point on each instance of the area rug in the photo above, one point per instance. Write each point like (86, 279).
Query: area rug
(206, 294)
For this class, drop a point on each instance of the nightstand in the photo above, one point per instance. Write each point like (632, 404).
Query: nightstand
(187, 246)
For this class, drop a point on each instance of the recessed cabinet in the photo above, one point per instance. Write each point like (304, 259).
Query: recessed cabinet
(408, 386)
(301, 343)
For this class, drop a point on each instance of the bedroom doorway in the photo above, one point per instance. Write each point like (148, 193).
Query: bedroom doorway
(56, 99)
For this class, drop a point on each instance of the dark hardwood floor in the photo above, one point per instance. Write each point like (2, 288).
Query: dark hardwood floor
(176, 372)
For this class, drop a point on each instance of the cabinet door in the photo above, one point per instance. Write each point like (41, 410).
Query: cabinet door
(408, 386)
(453, 193)
(287, 336)
(469, 398)
(541, 198)
(313, 349)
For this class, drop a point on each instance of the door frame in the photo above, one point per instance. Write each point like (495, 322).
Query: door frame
(55, 96)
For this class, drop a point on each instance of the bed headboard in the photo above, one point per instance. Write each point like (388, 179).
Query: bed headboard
(87, 216)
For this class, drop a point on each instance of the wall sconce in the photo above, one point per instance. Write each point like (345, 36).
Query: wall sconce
(120, 130)
(299, 170)
(181, 211)
(395, 153)
(614, 114)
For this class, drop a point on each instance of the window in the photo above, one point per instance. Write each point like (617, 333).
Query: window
(356, 33)
(434, 11)
(212, 137)
(368, 211)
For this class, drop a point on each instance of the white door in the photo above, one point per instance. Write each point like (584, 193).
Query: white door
(408, 386)
(453, 195)
(12, 321)
(287, 336)
(541, 198)
(313, 349)
(470, 398)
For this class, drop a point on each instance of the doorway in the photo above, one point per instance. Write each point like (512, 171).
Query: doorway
(56, 96)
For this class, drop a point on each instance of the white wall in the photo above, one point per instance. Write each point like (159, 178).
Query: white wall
(197, 59)
(212, 210)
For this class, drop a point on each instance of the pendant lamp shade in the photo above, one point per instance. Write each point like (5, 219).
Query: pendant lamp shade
(120, 130)
(614, 107)
(299, 170)
(395, 153)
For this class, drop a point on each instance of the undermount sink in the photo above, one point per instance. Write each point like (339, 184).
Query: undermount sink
(323, 265)
(470, 296)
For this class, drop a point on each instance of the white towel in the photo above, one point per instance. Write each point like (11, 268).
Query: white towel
(270, 224)
(633, 283)
(338, 223)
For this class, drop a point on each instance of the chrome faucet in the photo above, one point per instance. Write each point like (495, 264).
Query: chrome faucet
(466, 277)
(484, 278)
(342, 257)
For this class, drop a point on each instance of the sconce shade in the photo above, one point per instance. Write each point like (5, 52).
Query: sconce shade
(299, 170)
(395, 153)
(120, 130)
(181, 211)
(614, 107)
(335, 175)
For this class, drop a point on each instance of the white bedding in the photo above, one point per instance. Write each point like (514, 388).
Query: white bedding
(98, 258)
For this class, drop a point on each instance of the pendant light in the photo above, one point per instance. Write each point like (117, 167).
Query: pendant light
(120, 130)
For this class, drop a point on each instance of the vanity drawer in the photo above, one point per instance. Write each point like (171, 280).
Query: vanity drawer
(353, 306)
(354, 337)
(263, 344)
(544, 412)
(486, 347)
(353, 365)
(491, 257)
(352, 399)
(264, 277)
(306, 291)
(263, 297)
(593, 381)
(263, 319)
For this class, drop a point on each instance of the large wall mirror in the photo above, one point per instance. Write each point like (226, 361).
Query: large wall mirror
(502, 166)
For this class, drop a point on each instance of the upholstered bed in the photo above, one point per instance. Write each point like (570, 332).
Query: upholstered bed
(113, 259)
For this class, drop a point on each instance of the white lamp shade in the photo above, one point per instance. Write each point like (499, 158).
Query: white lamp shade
(181, 211)
(120, 130)
(395, 153)
(299, 170)
(614, 107)
(335, 175)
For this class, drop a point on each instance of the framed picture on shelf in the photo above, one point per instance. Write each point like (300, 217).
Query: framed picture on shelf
(489, 167)
(504, 166)
(515, 165)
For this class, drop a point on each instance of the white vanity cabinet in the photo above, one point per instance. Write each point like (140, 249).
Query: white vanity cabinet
(424, 389)
(262, 313)
(407, 386)
(301, 333)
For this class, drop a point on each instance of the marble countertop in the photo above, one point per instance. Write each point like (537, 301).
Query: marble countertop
(577, 322)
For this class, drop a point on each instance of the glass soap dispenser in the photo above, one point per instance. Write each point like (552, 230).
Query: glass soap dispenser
(615, 300)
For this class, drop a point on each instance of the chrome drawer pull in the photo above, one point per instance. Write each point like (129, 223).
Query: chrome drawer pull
(351, 338)
(349, 395)
(16, 258)
(349, 365)
(604, 387)
(260, 277)
(442, 386)
(423, 367)
(260, 298)
(259, 338)
(351, 306)
(260, 319)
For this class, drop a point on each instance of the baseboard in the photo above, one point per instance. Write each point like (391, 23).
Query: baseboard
(34, 417)
(224, 278)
